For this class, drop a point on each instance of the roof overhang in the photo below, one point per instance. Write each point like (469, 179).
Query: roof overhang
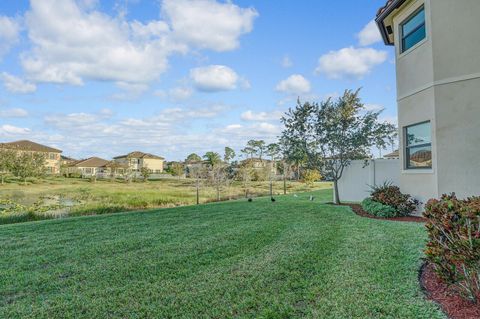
(383, 13)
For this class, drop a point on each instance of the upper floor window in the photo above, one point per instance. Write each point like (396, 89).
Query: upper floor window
(413, 30)
(418, 146)
(52, 156)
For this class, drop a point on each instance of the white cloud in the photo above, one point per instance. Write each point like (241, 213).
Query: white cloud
(261, 116)
(17, 85)
(369, 34)
(86, 134)
(13, 112)
(350, 62)
(294, 84)
(237, 132)
(9, 34)
(214, 78)
(373, 107)
(96, 46)
(208, 23)
(392, 119)
(10, 130)
(130, 91)
(180, 93)
(287, 62)
(100, 47)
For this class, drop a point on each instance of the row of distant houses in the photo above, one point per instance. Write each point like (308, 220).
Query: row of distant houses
(131, 163)
(57, 163)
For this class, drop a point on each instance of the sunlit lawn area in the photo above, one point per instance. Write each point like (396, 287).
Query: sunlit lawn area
(103, 196)
(291, 258)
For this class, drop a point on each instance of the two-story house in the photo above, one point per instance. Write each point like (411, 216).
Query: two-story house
(437, 49)
(137, 160)
(52, 155)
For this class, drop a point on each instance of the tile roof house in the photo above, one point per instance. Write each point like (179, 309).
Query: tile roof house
(52, 155)
(88, 167)
(95, 166)
(392, 155)
(137, 160)
(438, 79)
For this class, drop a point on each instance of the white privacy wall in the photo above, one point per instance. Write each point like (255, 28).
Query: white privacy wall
(354, 186)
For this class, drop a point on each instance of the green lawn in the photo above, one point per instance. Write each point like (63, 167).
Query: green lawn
(289, 259)
(106, 196)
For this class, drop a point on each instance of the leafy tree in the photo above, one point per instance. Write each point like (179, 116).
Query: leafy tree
(145, 172)
(258, 146)
(193, 158)
(273, 150)
(310, 176)
(212, 158)
(333, 133)
(248, 152)
(27, 164)
(7, 159)
(229, 154)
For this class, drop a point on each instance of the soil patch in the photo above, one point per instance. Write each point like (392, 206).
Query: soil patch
(447, 297)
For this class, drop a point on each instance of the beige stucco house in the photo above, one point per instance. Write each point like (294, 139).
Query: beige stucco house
(52, 155)
(99, 167)
(88, 167)
(137, 160)
(437, 49)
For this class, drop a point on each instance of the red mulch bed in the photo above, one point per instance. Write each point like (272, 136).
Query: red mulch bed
(359, 211)
(447, 297)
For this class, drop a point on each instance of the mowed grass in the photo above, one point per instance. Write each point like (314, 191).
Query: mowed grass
(104, 196)
(292, 258)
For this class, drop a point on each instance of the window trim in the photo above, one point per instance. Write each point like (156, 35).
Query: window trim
(406, 148)
(405, 21)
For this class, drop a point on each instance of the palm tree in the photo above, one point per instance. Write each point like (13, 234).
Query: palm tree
(212, 158)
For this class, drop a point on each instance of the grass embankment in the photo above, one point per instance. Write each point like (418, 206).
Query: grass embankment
(104, 197)
(288, 259)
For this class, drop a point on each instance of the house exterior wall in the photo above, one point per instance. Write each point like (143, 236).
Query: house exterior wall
(136, 164)
(53, 163)
(458, 133)
(439, 81)
(155, 165)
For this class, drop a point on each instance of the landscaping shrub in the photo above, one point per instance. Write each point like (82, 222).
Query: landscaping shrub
(310, 176)
(378, 209)
(391, 195)
(454, 242)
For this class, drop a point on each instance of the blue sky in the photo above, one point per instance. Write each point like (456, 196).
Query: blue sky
(171, 77)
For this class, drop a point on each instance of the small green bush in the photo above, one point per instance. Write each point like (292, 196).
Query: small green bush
(391, 195)
(453, 227)
(378, 209)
